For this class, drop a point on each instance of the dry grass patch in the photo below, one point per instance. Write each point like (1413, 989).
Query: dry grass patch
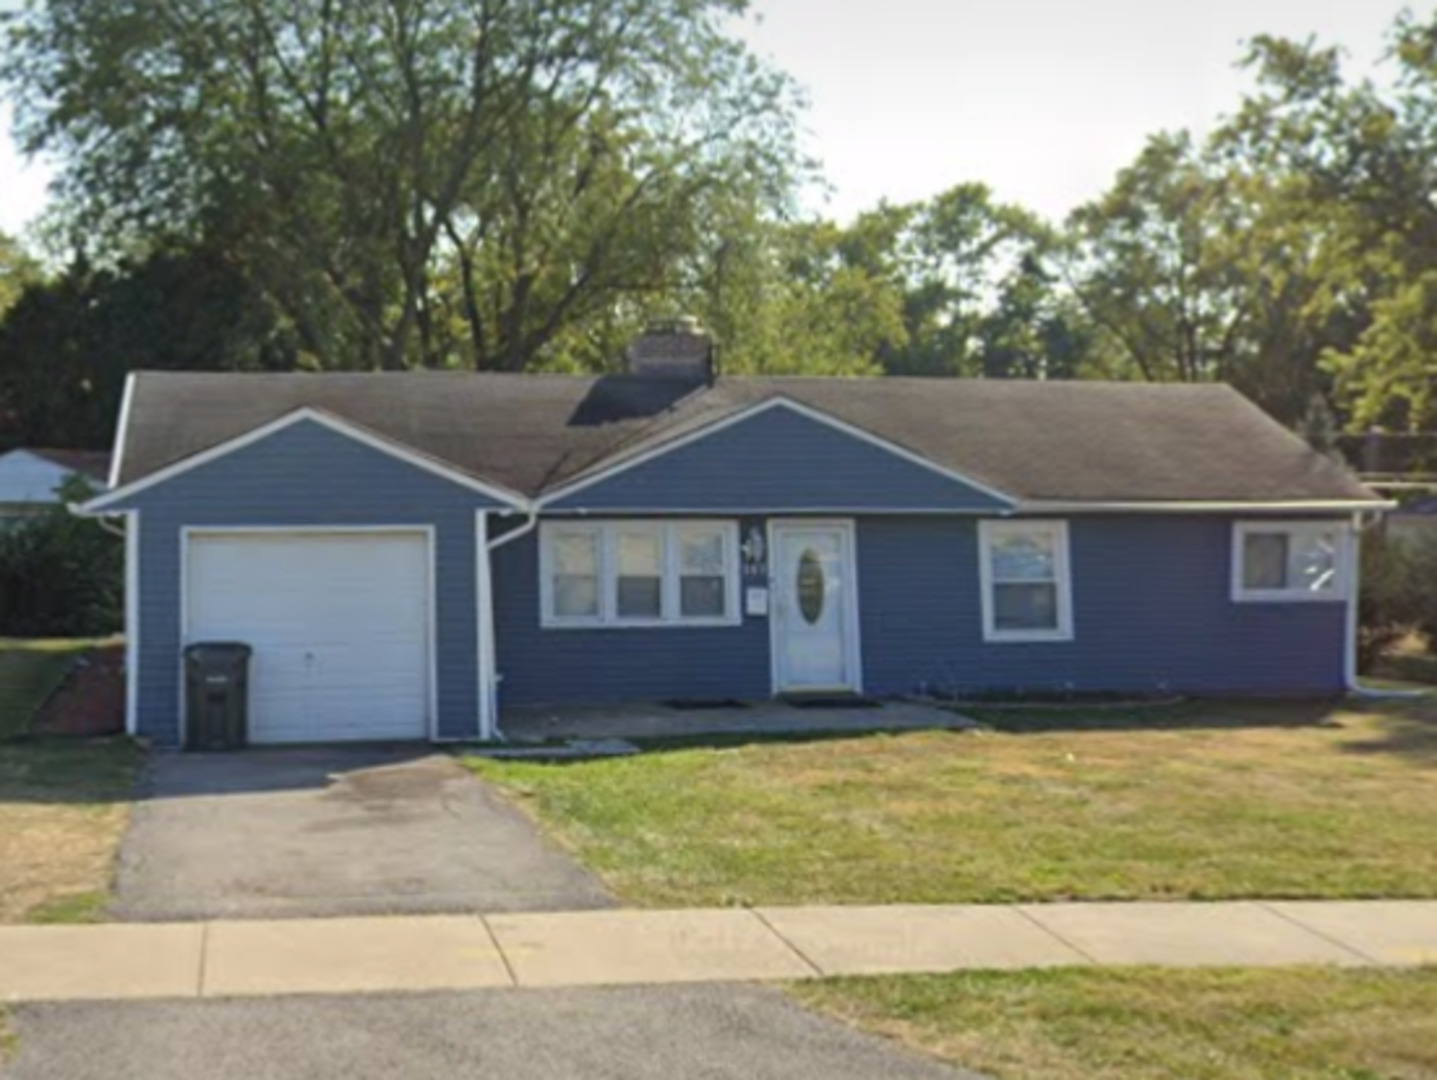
(63, 809)
(1202, 801)
(1146, 1024)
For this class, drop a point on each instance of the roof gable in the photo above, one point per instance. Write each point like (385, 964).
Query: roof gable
(125, 497)
(777, 455)
(27, 477)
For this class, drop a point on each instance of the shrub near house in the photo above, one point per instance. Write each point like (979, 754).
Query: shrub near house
(61, 575)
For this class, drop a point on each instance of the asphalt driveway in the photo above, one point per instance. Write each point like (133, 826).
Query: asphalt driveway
(664, 1033)
(299, 833)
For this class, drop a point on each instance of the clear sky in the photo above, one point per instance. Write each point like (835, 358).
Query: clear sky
(1044, 100)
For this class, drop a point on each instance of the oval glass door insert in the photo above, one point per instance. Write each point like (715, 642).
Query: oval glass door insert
(811, 586)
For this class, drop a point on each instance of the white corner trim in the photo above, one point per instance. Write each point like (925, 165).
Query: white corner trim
(778, 402)
(132, 623)
(988, 532)
(1343, 570)
(122, 430)
(302, 415)
(666, 530)
(188, 532)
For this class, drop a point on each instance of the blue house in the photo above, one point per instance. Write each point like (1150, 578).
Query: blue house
(411, 553)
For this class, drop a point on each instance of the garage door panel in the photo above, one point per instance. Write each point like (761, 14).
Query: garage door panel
(339, 624)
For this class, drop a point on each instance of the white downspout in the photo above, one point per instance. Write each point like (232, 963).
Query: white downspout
(1354, 584)
(489, 708)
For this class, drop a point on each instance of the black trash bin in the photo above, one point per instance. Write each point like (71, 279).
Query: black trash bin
(217, 695)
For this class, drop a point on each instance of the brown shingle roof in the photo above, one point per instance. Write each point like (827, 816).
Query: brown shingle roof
(1071, 441)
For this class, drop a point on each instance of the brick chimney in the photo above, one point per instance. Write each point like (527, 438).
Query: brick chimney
(674, 348)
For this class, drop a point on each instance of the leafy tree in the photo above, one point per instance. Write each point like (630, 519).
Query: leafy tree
(1152, 266)
(960, 260)
(411, 179)
(1034, 330)
(1352, 168)
(18, 269)
(809, 308)
(68, 343)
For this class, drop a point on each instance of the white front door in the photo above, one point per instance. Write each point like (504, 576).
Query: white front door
(814, 620)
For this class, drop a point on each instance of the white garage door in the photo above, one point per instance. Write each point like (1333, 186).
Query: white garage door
(339, 623)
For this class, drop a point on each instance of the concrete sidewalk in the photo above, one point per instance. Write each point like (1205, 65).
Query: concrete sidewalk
(594, 948)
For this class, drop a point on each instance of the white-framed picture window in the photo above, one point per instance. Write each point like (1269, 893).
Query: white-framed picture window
(1284, 561)
(638, 573)
(1026, 581)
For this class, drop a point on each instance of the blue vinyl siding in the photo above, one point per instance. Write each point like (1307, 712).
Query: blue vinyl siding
(1151, 611)
(567, 666)
(779, 461)
(306, 475)
(1151, 602)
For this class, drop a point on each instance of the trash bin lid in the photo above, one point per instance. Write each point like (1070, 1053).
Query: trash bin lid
(219, 650)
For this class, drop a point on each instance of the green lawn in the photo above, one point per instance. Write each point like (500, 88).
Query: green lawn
(1206, 800)
(29, 670)
(63, 808)
(1147, 1024)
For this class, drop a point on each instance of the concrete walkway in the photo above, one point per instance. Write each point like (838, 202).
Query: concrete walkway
(608, 948)
(750, 719)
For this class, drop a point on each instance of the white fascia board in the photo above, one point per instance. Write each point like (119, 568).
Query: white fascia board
(1217, 506)
(306, 414)
(778, 402)
(122, 430)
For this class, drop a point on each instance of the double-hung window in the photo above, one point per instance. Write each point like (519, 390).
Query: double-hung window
(1026, 583)
(1289, 560)
(639, 573)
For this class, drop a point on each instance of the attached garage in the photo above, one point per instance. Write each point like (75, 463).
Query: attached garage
(341, 623)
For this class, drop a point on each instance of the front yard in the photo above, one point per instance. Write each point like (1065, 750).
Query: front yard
(1145, 1024)
(63, 803)
(1201, 801)
(63, 808)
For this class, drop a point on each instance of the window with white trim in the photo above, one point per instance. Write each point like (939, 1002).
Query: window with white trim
(639, 573)
(1026, 583)
(1289, 560)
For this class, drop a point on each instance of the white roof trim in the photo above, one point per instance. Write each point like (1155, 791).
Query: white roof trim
(564, 491)
(1179, 506)
(316, 416)
(121, 430)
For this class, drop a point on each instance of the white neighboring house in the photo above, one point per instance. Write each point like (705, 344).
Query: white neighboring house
(30, 478)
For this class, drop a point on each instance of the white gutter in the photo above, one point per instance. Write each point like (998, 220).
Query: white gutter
(515, 534)
(1350, 506)
(1354, 575)
(102, 520)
